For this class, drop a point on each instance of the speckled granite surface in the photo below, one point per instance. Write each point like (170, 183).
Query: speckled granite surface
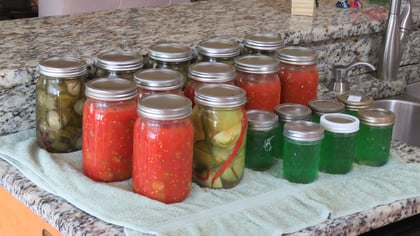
(339, 36)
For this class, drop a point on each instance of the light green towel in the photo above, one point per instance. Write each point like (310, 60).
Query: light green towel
(261, 204)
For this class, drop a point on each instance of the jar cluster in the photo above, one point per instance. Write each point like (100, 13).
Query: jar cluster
(179, 115)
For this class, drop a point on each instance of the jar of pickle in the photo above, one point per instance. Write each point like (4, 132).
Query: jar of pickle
(257, 75)
(220, 124)
(170, 56)
(163, 148)
(298, 74)
(337, 149)
(59, 103)
(218, 50)
(202, 73)
(373, 142)
(287, 112)
(150, 81)
(353, 102)
(118, 64)
(109, 114)
(262, 43)
(261, 139)
(320, 106)
(302, 148)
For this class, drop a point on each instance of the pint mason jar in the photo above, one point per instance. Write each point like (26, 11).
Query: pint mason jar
(262, 43)
(373, 142)
(320, 106)
(59, 103)
(354, 102)
(108, 119)
(220, 124)
(163, 148)
(118, 64)
(218, 50)
(151, 81)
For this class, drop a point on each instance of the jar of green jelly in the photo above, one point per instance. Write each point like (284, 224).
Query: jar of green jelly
(354, 102)
(301, 151)
(337, 149)
(287, 112)
(320, 106)
(118, 64)
(261, 138)
(373, 141)
(218, 50)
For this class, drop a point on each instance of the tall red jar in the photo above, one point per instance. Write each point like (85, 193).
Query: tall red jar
(108, 119)
(163, 148)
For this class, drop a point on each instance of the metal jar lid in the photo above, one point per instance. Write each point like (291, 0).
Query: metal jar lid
(355, 102)
(159, 79)
(324, 105)
(257, 64)
(268, 42)
(376, 117)
(296, 55)
(170, 52)
(164, 107)
(339, 123)
(262, 120)
(119, 61)
(215, 72)
(220, 96)
(292, 111)
(62, 67)
(303, 130)
(219, 48)
(111, 89)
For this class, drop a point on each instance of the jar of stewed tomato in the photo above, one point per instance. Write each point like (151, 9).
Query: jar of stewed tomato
(262, 43)
(159, 80)
(220, 124)
(298, 74)
(163, 148)
(257, 75)
(109, 114)
(218, 50)
(118, 64)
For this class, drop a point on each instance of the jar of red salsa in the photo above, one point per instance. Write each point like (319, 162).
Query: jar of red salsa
(163, 148)
(257, 75)
(298, 74)
(159, 80)
(109, 114)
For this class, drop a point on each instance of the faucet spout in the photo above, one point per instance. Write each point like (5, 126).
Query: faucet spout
(396, 36)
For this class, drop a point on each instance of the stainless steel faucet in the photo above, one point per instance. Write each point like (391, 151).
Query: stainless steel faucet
(396, 36)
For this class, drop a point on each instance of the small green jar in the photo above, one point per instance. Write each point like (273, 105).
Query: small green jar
(353, 102)
(373, 141)
(337, 149)
(261, 138)
(287, 112)
(320, 106)
(302, 147)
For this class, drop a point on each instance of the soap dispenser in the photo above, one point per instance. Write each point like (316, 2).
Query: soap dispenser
(339, 83)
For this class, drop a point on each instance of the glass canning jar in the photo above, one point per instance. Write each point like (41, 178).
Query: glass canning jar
(218, 50)
(109, 114)
(163, 148)
(353, 102)
(118, 64)
(373, 142)
(262, 43)
(298, 74)
(337, 149)
(260, 139)
(202, 73)
(257, 75)
(220, 124)
(151, 81)
(59, 103)
(302, 147)
(320, 106)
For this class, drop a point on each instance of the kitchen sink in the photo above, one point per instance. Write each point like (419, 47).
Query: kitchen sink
(413, 90)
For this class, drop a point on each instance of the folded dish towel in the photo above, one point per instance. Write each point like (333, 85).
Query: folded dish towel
(261, 204)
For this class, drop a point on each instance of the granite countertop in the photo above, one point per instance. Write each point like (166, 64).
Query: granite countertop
(340, 36)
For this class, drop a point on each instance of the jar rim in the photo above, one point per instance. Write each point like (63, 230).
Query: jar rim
(292, 111)
(215, 72)
(263, 41)
(170, 52)
(219, 47)
(257, 64)
(119, 61)
(62, 67)
(159, 79)
(261, 120)
(339, 123)
(164, 107)
(296, 55)
(302, 130)
(220, 95)
(111, 89)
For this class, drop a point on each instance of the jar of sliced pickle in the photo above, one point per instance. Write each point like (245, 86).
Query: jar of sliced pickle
(118, 64)
(218, 50)
(59, 103)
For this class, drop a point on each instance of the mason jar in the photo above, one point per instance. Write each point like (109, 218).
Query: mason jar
(257, 75)
(218, 50)
(354, 102)
(320, 106)
(220, 124)
(151, 81)
(118, 64)
(163, 148)
(109, 114)
(262, 43)
(59, 103)
(298, 74)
